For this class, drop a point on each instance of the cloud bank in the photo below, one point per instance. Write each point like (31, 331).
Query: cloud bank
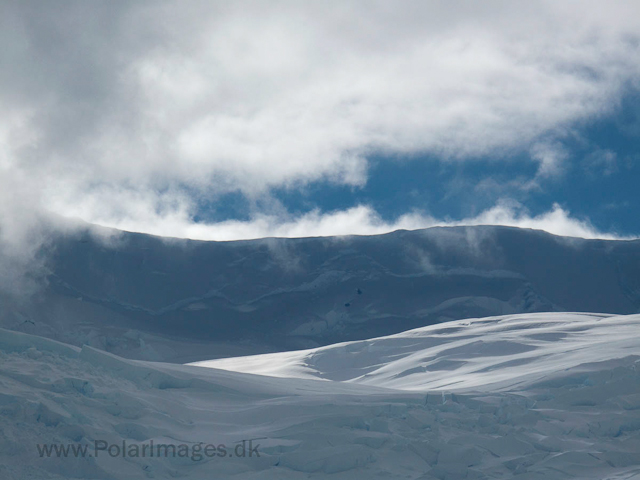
(249, 95)
(113, 111)
(359, 220)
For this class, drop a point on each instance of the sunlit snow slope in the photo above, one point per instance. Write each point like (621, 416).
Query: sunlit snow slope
(494, 353)
(543, 396)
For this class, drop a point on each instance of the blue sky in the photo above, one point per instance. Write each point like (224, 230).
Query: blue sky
(220, 120)
(601, 181)
(598, 184)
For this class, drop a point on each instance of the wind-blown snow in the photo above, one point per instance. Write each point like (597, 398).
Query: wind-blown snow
(542, 396)
(489, 354)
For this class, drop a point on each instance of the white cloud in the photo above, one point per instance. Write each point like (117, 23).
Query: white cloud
(557, 221)
(359, 220)
(252, 95)
(551, 157)
(110, 109)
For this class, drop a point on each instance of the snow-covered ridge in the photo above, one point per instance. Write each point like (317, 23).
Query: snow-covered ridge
(148, 298)
(489, 354)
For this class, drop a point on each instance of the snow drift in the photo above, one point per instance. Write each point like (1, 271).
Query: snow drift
(531, 396)
(489, 354)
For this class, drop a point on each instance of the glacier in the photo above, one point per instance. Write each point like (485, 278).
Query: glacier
(550, 395)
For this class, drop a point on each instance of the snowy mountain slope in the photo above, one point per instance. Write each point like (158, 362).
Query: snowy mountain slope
(488, 354)
(172, 300)
(572, 410)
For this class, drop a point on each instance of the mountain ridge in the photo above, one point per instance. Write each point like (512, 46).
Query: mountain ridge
(154, 298)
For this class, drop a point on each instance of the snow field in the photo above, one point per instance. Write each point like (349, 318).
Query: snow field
(544, 396)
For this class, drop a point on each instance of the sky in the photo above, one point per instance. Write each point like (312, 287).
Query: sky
(232, 120)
